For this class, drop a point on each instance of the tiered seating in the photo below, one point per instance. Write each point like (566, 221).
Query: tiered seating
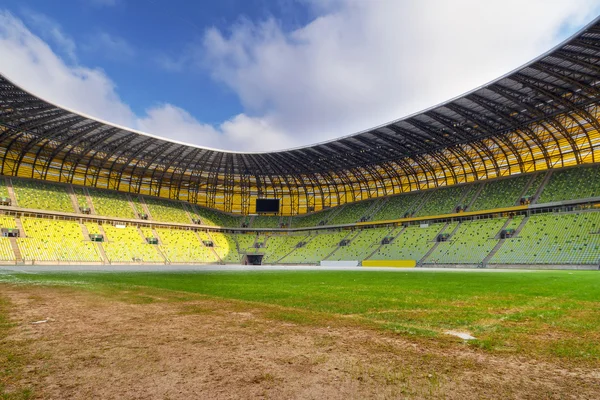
(166, 211)
(397, 206)
(515, 222)
(55, 240)
(6, 251)
(572, 183)
(351, 213)
(313, 219)
(361, 246)
(500, 193)
(280, 245)
(147, 232)
(138, 207)
(127, 245)
(316, 249)
(470, 244)
(93, 228)
(263, 221)
(7, 222)
(441, 201)
(3, 188)
(225, 247)
(204, 236)
(81, 198)
(470, 192)
(535, 185)
(184, 246)
(412, 244)
(111, 204)
(554, 239)
(42, 195)
(215, 218)
(245, 242)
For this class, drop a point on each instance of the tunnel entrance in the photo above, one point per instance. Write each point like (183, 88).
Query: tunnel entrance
(254, 259)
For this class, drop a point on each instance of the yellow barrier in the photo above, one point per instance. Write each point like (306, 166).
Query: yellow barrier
(390, 263)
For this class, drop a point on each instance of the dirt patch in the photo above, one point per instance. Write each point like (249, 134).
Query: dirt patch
(97, 346)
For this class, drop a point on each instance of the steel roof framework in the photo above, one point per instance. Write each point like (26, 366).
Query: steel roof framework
(543, 115)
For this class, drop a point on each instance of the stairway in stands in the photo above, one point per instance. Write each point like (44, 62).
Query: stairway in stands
(11, 192)
(537, 194)
(16, 250)
(436, 244)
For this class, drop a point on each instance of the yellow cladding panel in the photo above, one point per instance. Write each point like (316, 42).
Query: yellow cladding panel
(390, 263)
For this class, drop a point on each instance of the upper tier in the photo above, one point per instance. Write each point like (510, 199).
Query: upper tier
(539, 116)
(576, 183)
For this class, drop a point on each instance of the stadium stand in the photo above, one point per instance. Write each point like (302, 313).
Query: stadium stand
(500, 193)
(398, 207)
(126, 245)
(352, 212)
(245, 242)
(166, 211)
(470, 244)
(278, 246)
(554, 239)
(441, 201)
(55, 240)
(138, 208)
(214, 218)
(263, 221)
(42, 195)
(542, 116)
(226, 247)
(317, 248)
(111, 204)
(92, 228)
(361, 245)
(535, 185)
(7, 222)
(147, 232)
(412, 243)
(572, 183)
(184, 246)
(3, 188)
(313, 219)
(6, 251)
(471, 192)
(81, 198)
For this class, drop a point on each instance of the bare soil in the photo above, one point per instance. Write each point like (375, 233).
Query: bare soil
(157, 346)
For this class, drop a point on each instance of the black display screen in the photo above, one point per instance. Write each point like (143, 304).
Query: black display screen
(267, 205)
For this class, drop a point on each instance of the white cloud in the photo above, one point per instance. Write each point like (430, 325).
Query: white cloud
(356, 65)
(33, 65)
(240, 132)
(53, 32)
(110, 46)
(363, 63)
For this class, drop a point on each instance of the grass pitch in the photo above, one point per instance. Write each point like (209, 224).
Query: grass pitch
(300, 334)
(539, 314)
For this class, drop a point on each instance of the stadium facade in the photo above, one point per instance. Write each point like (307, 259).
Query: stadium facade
(505, 175)
(543, 115)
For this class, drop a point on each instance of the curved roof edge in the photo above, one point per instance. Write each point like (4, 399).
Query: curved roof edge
(333, 140)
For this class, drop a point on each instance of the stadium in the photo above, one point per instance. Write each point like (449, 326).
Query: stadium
(504, 177)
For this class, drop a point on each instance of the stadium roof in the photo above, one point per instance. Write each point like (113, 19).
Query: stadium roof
(459, 133)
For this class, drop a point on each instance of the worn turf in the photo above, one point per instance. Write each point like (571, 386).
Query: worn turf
(540, 314)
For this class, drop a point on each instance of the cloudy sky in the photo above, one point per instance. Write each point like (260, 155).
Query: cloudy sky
(257, 75)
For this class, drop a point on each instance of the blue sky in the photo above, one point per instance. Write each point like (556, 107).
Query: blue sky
(255, 75)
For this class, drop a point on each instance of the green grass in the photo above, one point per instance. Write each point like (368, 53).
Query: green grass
(544, 314)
